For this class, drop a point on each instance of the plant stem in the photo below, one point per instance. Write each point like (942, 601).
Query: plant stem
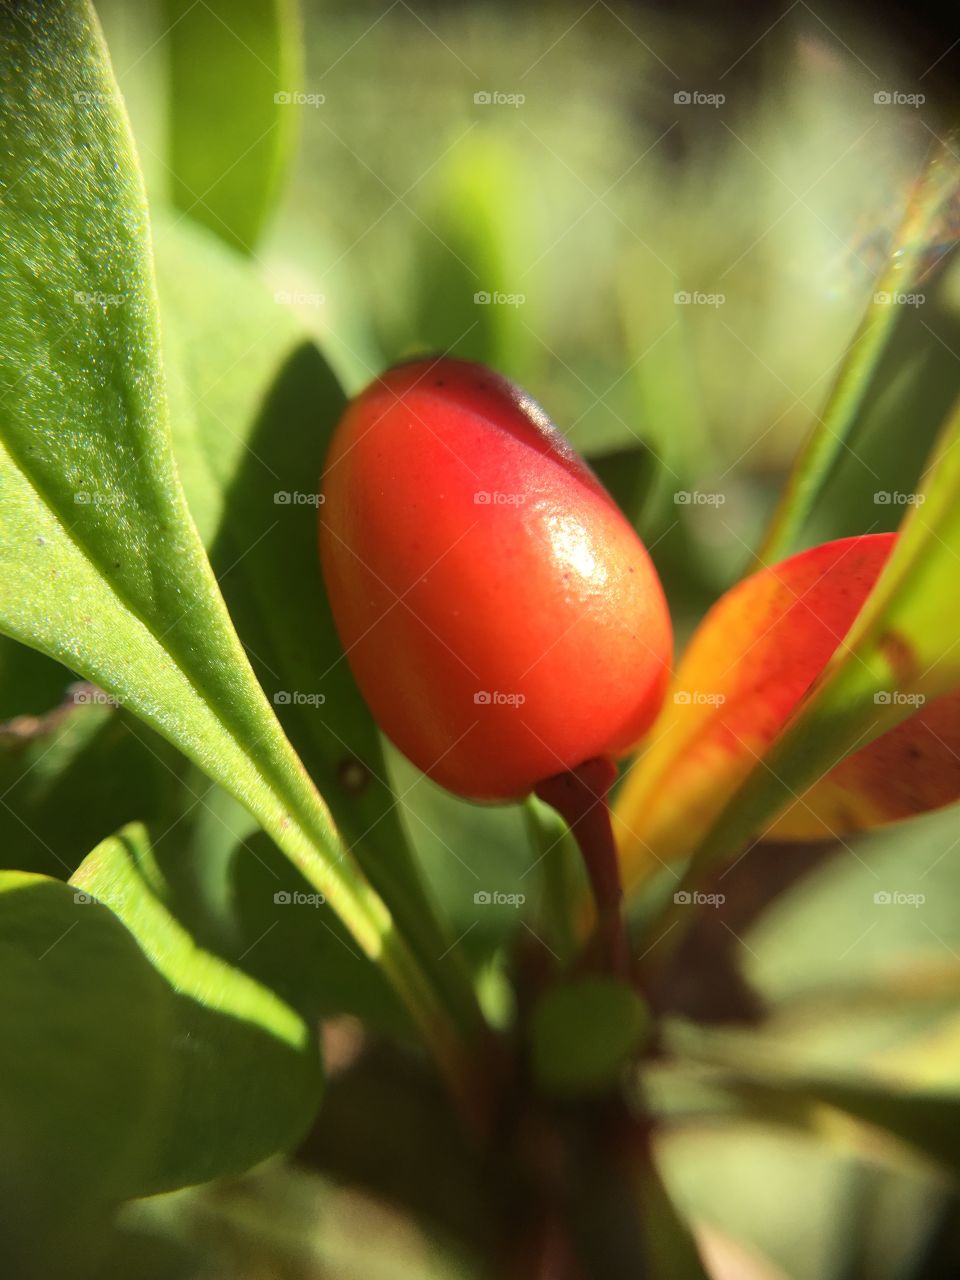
(580, 797)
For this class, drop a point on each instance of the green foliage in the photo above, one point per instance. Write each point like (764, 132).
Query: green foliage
(71, 777)
(165, 409)
(233, 92)
(243, 1067)
(254, 404)
(84, 1060)
(857, 971)
(29, 682)
(101, 565)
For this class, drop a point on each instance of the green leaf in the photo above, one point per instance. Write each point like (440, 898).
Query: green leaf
(783, 1092)
(100, 564)
(286, 938)
(472, 248)
(669, 1244)
(244, 1066)
(30, 683)
(662, 372)
(843, 414)
(102, 567)
(84, 1030)
(255, 406)
(476, 858)
(771, 1203)
(558, 868)
(628, 474)
(582, 1034)
(857, 971)
(235, 71)
(70, 777)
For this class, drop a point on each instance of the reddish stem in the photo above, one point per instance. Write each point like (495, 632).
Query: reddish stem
(580, 797)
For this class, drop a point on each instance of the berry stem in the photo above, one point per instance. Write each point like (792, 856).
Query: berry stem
(580, 796)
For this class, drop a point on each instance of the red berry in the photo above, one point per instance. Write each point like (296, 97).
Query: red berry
(501, 617)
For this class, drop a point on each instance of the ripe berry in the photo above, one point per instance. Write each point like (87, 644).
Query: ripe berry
(501, 617)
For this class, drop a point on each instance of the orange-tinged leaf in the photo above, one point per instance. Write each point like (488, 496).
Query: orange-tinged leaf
(912, 768)
(752, 660)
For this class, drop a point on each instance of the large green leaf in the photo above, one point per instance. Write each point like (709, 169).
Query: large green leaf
(234, 96)
(255, 405)
(100, 564)
(84, 1066)
(244, 1067)
(771, 1204)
